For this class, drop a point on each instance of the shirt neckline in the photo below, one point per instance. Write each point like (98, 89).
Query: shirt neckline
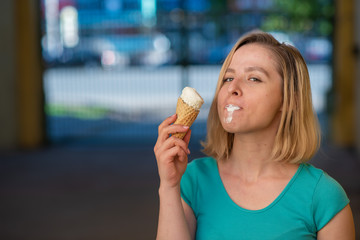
(277, 199)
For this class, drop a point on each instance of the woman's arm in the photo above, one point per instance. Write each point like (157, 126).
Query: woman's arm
(190, 218)
(172, 216)
(340, 227)
(171, 155)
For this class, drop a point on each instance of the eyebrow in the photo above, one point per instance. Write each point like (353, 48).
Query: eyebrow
(251, 69)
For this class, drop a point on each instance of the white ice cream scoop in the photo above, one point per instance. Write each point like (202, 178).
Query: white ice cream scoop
(191, 98)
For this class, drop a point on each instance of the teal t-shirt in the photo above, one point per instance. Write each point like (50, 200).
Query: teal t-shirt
(308, 202)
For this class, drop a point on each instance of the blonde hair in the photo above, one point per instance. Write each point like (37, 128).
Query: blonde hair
(298, 135)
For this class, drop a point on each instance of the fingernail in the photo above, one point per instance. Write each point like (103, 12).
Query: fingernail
(186, 127)
(188, 151)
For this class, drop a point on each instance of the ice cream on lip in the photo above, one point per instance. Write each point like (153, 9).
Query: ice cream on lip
(232, 107)
(230, 110)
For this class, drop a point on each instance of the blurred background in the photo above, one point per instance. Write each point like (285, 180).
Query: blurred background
(85, 83)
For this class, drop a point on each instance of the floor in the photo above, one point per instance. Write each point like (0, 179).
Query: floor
(79, 193)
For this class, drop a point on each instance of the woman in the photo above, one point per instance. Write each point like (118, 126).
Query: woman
(256, 183)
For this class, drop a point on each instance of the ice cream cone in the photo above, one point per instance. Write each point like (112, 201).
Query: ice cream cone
(187, 108)
(186, 115)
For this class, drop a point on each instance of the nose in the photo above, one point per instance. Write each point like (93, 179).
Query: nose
(235, 88)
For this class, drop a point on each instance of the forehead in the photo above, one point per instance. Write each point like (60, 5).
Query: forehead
(254, 54)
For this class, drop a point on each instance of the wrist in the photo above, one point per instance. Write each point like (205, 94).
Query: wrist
(169, 189)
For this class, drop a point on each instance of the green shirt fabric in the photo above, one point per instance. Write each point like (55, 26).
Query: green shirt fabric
(308, 202)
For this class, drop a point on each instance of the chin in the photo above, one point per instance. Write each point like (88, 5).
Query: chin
(230, 127)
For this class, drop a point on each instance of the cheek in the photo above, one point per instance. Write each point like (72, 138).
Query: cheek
(219, 107)
(273, 101)
(220, 98)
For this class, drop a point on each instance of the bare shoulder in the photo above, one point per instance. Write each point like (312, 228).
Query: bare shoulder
(341, 226)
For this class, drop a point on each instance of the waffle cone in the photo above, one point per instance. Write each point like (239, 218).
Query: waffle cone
(186, 115)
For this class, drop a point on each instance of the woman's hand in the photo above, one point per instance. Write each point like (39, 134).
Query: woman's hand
(171, 156)
(171, 152)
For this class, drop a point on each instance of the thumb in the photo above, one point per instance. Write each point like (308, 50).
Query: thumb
(187, 137)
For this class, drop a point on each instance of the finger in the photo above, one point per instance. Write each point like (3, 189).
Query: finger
(180, 142)
(172, 142)
(187, 137)
(167, 122)
(172, 153)
(171, 129)
(182, 156)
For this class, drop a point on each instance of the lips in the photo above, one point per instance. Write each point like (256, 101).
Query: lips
(232, 107)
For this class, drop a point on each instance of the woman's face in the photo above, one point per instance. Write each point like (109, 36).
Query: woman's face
(250, 98)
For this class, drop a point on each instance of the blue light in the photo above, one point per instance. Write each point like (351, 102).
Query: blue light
(148, 8)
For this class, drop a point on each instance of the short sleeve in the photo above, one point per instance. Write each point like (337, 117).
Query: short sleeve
(188, 186)
(328, 200)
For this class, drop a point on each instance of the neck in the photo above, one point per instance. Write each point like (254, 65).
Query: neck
(251, 152)
(250, 156)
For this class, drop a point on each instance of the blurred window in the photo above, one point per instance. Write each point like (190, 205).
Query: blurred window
(115, 68)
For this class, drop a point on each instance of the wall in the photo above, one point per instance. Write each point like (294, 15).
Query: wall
(343, 116)
(21, 96)
(30, 111)
(357, 42)
(8, 126)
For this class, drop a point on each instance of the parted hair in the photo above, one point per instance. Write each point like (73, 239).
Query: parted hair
(298, 135)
